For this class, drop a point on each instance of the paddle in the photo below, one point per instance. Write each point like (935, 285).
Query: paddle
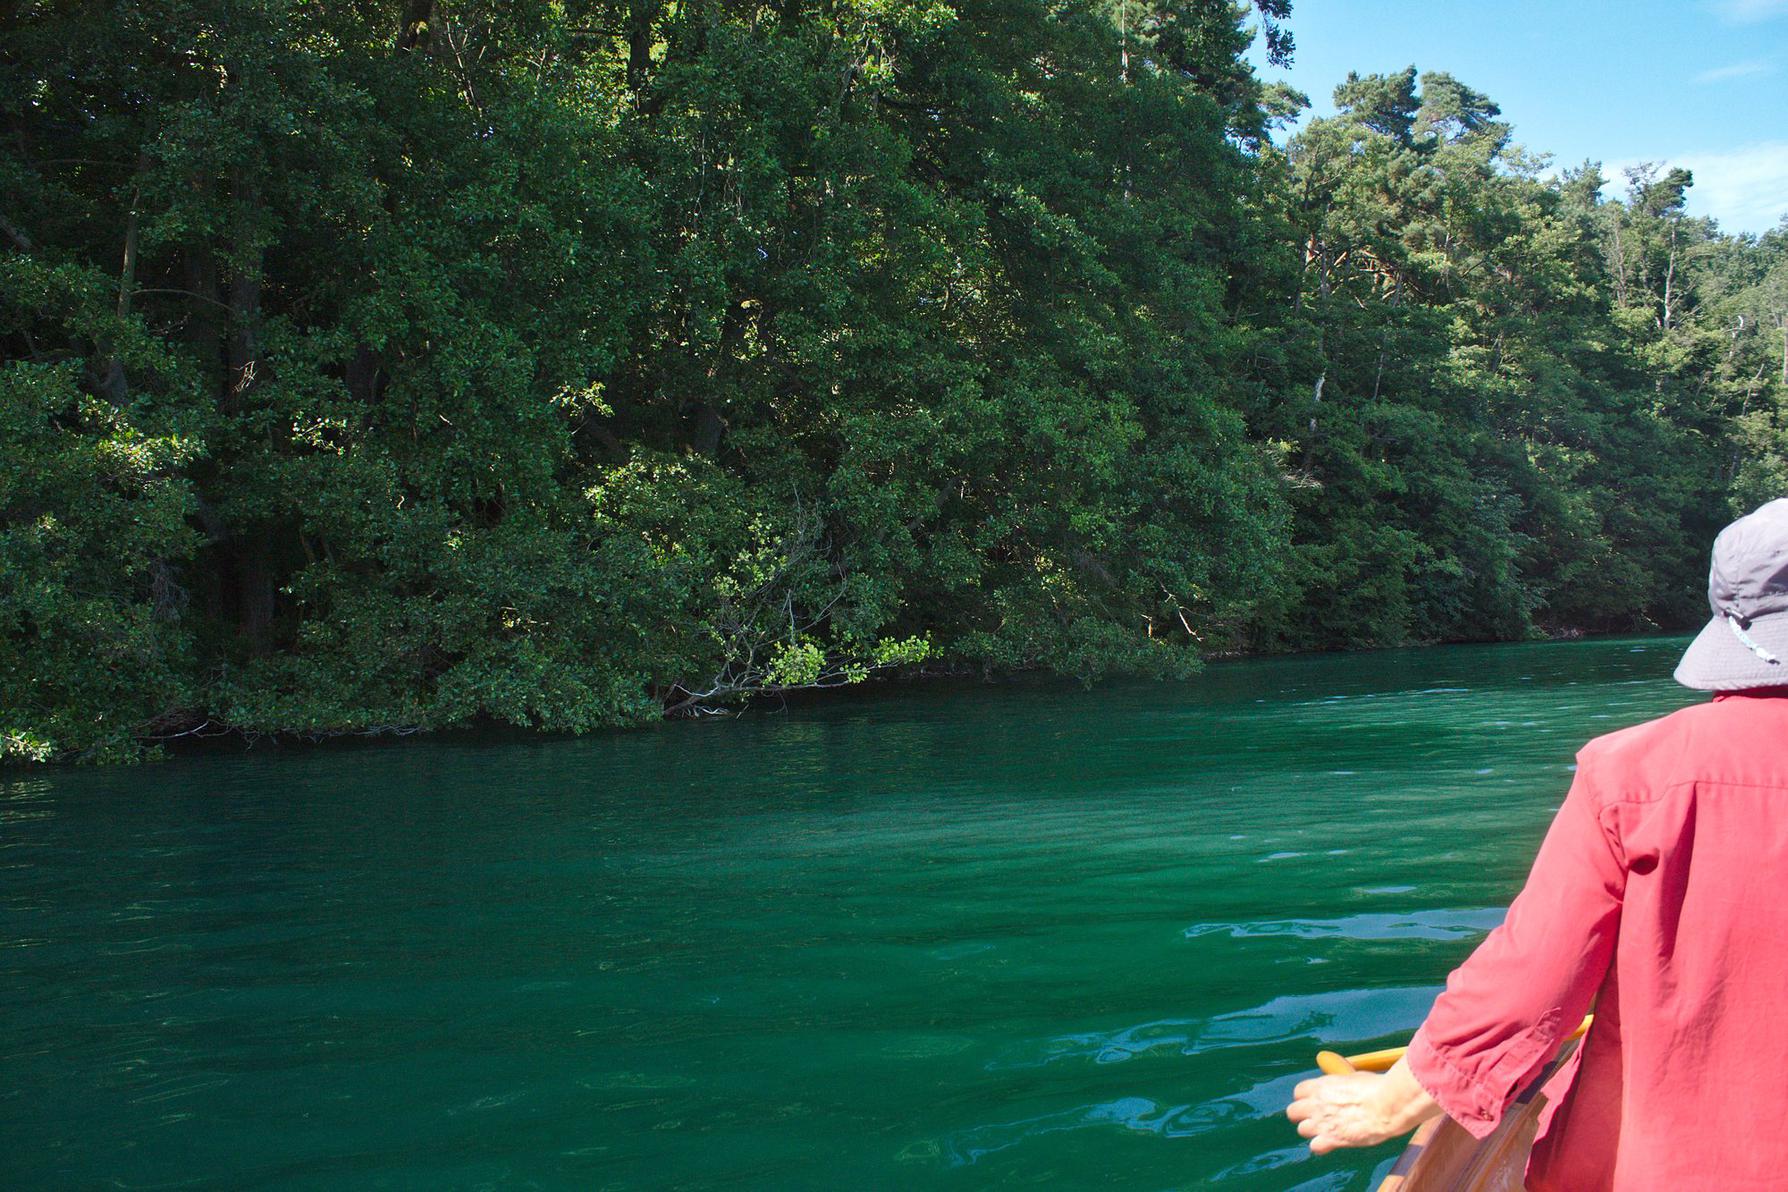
(1333, 1064)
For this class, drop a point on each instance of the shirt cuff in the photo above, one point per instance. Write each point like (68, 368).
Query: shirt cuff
(1468, 1101)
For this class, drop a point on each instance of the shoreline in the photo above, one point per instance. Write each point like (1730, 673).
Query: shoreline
(228, 740)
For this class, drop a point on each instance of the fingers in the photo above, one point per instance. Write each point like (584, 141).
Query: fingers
(1332, 1112)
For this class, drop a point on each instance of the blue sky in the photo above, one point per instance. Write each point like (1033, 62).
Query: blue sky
(1697, 83)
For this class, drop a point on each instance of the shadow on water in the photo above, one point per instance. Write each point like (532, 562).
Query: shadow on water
(1021, 934)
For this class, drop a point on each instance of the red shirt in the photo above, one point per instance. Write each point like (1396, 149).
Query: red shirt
(1660, 894)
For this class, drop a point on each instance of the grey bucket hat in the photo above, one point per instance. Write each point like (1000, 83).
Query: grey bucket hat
(1746, 643)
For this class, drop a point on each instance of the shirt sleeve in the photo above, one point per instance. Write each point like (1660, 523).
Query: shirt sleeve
(1508, 1008)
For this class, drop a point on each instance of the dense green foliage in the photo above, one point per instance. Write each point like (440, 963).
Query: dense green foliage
(402, 365)
(1524, 404)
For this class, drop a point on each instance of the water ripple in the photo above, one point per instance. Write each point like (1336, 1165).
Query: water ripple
(1139, 1114)
(1341, 1016)
(1447, 924)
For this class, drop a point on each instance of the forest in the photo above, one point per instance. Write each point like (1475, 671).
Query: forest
(392, 366)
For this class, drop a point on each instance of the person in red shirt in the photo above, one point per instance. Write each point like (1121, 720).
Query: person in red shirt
(1660, 895)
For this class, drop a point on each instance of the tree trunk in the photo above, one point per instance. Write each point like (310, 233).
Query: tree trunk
(202, 331)
(254, 589)
(1669, 282)
(363, 375)
(108, 371)
(416, 26)
(640, 18)
(242, 349)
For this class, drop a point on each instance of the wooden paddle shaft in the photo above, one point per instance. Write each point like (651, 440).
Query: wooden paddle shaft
(1334, 1064)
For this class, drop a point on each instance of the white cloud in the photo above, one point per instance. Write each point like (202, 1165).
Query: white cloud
(1749, 12)
(1738, 70)
(1746, 189)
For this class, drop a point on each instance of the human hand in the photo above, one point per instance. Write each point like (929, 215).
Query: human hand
(1360, 1108)
(1343, 1111)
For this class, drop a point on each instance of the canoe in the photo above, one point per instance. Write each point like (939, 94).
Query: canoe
(1441, 1156)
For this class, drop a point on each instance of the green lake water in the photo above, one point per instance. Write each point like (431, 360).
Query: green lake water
(934, 937)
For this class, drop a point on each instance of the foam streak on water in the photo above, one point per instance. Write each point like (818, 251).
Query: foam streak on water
(938, 938)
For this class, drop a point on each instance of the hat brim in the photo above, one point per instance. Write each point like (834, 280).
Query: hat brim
(1717, 661)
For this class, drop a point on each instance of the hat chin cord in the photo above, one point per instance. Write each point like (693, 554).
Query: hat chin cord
(1745, 640)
